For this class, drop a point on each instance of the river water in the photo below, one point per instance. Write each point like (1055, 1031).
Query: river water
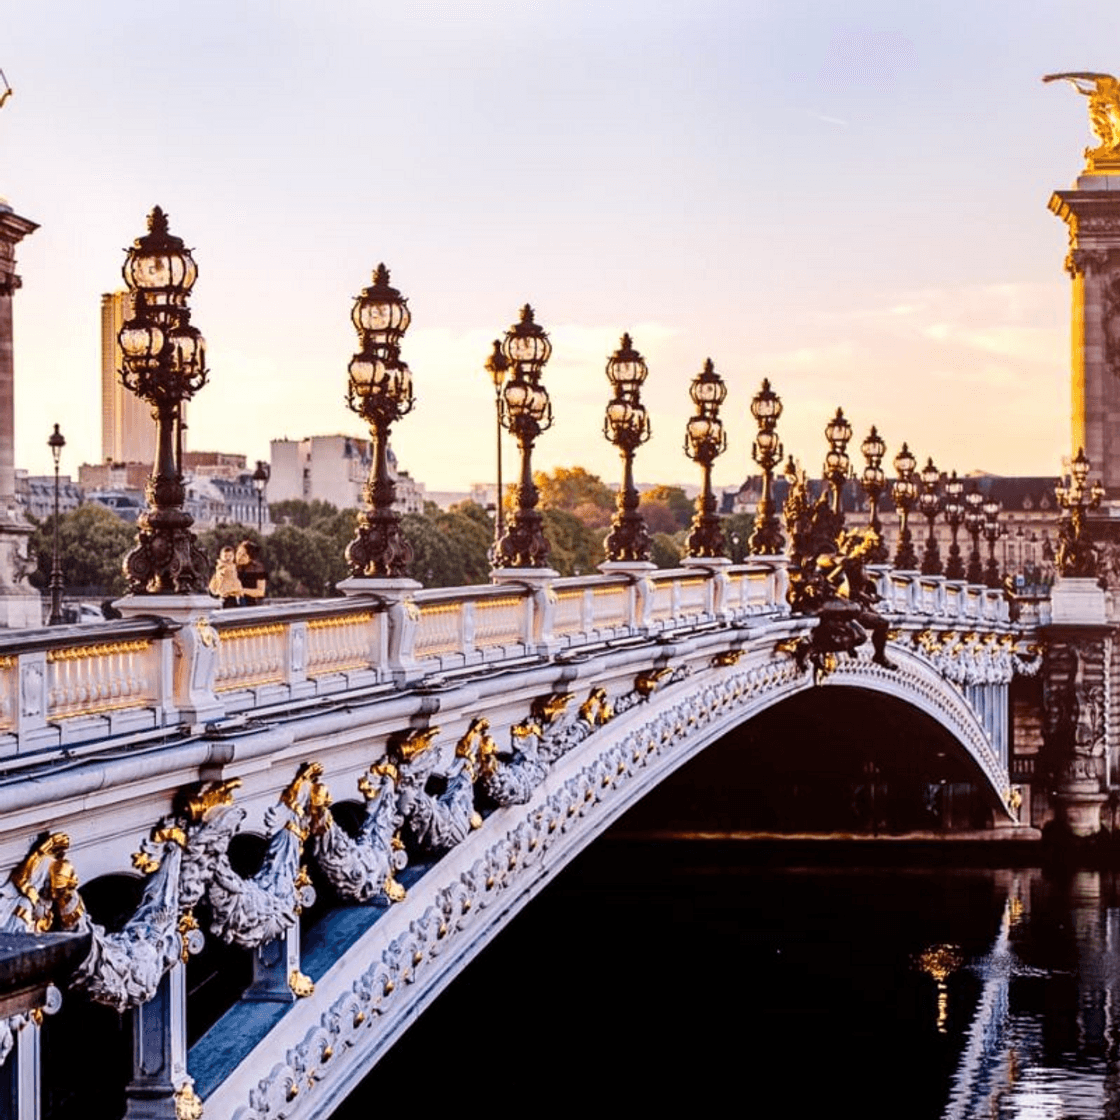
(672, 975)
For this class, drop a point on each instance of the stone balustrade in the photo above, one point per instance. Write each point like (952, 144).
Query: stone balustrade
(75, 684)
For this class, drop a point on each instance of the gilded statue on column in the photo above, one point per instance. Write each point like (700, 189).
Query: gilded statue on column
(1103, 92)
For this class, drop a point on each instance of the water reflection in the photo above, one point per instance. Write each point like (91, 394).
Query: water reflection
(1041, 1044)
(703, 974)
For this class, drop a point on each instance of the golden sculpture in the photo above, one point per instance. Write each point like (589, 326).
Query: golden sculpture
(546, 709)
(1103, 92)
(407, 745)
(646, 683)
(596, 709)
(212, 795)
(59, 900)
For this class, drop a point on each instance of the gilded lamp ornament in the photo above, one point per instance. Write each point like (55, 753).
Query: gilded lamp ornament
(526, 412)
(954, 509)
(704, 441)
(993, 530)
(767, 452)
(837, 465)
(874, 480)
(905, 494)
(380, 392)
(929, 503)
(974, 525)
(163, 361)
(1077, 558)
(627, 426)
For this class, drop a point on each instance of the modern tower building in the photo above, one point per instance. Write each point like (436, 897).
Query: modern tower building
(127, 432)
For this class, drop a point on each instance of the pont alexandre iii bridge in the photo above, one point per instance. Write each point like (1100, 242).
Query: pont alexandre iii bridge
(472, 741)
(343, 801)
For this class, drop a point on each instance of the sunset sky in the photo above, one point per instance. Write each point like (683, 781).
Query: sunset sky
(847, 198)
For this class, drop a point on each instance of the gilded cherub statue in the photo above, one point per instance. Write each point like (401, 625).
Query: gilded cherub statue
(1103, 92)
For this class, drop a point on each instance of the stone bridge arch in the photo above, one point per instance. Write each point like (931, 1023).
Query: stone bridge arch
(373, 984)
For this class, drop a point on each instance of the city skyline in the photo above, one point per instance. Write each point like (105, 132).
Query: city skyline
(850, 201)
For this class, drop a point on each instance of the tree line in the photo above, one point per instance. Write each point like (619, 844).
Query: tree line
(305, 553)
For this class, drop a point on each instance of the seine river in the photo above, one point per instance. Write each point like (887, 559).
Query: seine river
(663, 976)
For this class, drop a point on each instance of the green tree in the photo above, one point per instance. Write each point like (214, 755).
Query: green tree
(738, 525)
(296, 511)
(680, 504)
(659, 517)
(449, 548)
(574, 489)
(92, 542)
(666, 551)
(575, 549)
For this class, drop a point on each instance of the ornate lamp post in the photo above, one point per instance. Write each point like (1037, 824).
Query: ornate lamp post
(929, 502)
(498, 367)
(767, 452)
(954, 514)
(164, 363)
(260, 480)
(56, 443)
(905, 494)
(380, 392)
(974, 524)
(704, 441)
(992, 531)
(1076, 556)
(837, 465)
(874, 481)
(627, 426)
(526, 412)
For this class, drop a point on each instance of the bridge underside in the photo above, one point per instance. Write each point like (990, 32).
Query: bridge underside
(826, 761)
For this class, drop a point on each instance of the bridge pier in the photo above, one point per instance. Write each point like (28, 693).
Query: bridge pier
(1077, 702)
(19, 1077)
(276, 969)
(160, 1088)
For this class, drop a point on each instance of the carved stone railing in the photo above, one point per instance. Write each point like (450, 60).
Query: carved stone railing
(77, 684)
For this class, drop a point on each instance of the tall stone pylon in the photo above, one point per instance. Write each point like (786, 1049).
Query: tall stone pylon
(20, 605)
(1091, 210)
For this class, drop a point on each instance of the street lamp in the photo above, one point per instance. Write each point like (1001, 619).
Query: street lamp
(836, 463)
(526, 412)
(874, 480)
(627, 426)
(497, 367)
(164, 363)
(929, 502)
(1076, 556)
(260, 481)
(380, 392)
(992, 531)
(767, 452)
(56, 443)
(974, 524)
(954, 514)
(905, 494)
(704, 441)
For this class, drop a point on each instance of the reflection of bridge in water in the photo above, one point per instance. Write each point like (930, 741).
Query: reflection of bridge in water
(257, 758)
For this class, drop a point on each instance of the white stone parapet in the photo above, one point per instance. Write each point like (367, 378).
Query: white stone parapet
(176, 663)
